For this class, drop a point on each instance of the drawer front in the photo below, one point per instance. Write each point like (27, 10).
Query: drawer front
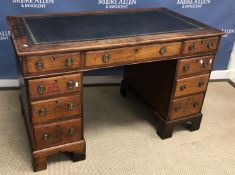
(186, 106)
(57, 133)
(56, 108)
(191, 85)
(42, 64)
(200, 45)
(46, 87)
(195, 65)
(131, 54)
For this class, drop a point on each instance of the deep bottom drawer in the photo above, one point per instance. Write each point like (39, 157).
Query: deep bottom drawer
(186, 106)
(57, 133)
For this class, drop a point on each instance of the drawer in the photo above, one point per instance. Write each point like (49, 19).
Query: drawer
(46, 87)
(195, 65)
(131, 54)
(200, 45)
(57, 133)
(52, 63)
(56, 108)
(186, 106)
(191, 85)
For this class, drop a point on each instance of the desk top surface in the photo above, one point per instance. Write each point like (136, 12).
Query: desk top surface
(101, 29)
(77, 27)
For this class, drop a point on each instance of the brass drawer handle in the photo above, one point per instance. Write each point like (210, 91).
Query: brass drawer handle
(42, 112)
(69, 62)
(70, 84)
(201, 83)
(106, 57)
(183, 87)
(205, 64)
(45, 137)
(186, 68)
(71, 131)
(210, 45)
(39, 65)
(162, 50)
(195, 104)
(191, 47)
(71, 106)
(177, 108)
(41, 88)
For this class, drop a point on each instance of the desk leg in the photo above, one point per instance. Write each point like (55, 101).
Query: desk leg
(165, 128)
(78, 150)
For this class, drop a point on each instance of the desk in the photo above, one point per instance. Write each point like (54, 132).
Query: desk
(167, 60)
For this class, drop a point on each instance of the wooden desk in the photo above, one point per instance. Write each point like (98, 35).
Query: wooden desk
(167, 60)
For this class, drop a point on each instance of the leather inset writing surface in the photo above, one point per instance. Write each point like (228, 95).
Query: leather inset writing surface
(67, 28)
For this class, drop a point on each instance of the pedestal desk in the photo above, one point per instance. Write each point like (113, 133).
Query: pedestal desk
(167, 60)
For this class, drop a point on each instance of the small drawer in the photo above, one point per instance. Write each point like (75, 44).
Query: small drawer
(186, 106)
(46, 87)
(51, 63)
(191, 85)
(57, 133)
(130, 54)
(200, 45)
(56, 108)
(195, 65)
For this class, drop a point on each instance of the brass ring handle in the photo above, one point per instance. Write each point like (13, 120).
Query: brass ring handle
(201, 83)
(39, 65)
(69, 62)
(205, 63)
(191, 48)
(41, 88)
(45, 137)
(106, 57)
(177, 108)
(71, 106)
(183, 87)
(186, 68)
(210, 45)
(70, 84)
(162, 50)
(42, 112)
(195, 104)
(71, 131)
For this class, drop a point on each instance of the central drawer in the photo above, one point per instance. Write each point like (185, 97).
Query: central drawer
(47, 87)
(56, 108)
(57, 133)
(131, 54)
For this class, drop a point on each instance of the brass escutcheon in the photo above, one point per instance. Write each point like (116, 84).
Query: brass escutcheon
(41, 88)
(186, 68)
(70, 84)
(71, 106)
(162, 50)
(45, 137)
(69, 62)
(42, 112)
(71, 131)
(106, 57)
(39, 65)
